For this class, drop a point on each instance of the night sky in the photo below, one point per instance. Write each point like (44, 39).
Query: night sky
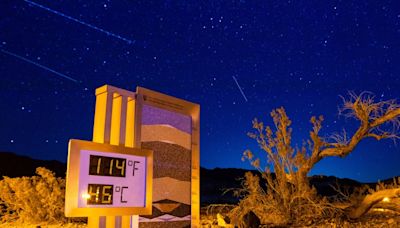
(301, 55)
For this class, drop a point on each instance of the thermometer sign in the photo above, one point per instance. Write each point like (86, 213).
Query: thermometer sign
(104, 178)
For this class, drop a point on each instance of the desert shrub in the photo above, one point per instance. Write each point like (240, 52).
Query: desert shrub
(287, 197)
(37, 199)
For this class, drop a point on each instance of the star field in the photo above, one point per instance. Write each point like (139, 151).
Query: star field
(297, 54)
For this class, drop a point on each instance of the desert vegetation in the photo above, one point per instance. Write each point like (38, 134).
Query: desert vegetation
(285, 196)
(29, 201)
(279, 195)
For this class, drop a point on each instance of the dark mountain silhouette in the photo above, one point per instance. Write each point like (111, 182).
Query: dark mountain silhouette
(13, 165)
(214, 183)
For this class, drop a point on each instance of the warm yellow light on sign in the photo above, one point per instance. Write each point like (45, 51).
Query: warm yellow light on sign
(108, 180)
(85, 196)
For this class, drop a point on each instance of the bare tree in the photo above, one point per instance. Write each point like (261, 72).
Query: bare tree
(290, 189)
(374, 118)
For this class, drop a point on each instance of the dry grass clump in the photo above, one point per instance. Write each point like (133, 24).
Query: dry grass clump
(215, 214)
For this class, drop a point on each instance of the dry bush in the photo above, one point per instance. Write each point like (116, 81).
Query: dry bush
(33, 200)
(288, 197)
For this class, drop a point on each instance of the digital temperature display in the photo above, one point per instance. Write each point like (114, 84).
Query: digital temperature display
(100, 194)
(108, 180)
(107, 166)
(111, 179)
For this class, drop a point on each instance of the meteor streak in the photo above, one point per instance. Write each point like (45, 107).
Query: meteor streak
(241, 91)
(81, 22)
(38, 65)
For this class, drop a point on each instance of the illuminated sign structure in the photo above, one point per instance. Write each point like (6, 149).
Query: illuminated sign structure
(105, 181)
(108, 180)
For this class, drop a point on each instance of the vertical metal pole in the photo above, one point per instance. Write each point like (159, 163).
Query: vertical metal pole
(137, 119)
(102, 117)
(101, 133)
(112, 118)
(117, 121)
(195, 204)
(129, 142)
(93, 222)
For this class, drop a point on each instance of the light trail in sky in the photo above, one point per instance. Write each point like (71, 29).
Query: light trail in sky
(38, 65)
(129, 41)
(241, 91)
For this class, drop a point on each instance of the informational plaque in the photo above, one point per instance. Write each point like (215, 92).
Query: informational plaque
(169, 126)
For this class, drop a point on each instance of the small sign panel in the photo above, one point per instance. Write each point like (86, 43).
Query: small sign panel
(108, 180)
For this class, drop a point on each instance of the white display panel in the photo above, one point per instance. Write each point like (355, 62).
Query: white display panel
(127, 188)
